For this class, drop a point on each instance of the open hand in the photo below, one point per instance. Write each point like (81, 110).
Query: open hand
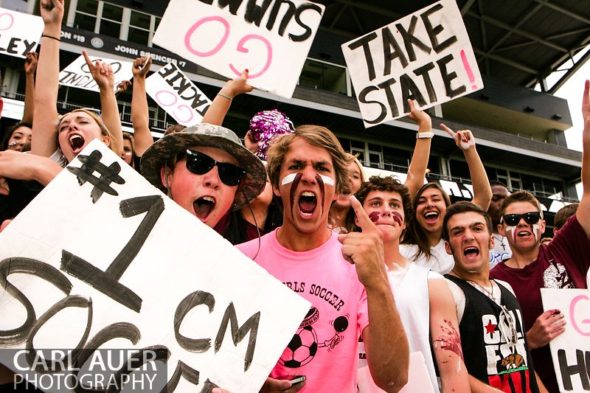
(547, 326)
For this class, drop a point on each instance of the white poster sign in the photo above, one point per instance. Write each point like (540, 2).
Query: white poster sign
(271, 39)
(78, 75)
(103, 259)
(571, 349)
(19, 33)
(425, 56)
(177, 95)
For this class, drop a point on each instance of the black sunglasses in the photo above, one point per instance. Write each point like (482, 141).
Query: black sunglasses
(199, 164)
(513, 219)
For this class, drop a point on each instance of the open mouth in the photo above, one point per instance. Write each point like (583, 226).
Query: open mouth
(76, 142)
(307, 203)
(431, 216)
(471, 252)
(203, 207)
(523, 233)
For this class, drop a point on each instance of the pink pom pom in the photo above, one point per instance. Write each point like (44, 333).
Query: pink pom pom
(266, 125)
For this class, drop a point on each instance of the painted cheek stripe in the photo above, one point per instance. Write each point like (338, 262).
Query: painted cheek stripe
(327, 180)
(512, 231)
(288, 179)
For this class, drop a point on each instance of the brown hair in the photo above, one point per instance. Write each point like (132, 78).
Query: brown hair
(464, 207)
(521, 196)
(563, 214)
(385, 184)
(415, 234)
(314, 135)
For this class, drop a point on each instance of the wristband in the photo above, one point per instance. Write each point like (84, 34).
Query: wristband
(425, 135)
(50, 36)
(224, 96)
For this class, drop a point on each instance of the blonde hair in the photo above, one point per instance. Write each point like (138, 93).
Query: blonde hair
(103, 128)
(316, 136)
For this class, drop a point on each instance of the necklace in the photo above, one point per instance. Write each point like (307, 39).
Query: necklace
(483, 290)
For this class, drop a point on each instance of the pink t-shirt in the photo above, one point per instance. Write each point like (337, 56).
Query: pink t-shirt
(324, 349)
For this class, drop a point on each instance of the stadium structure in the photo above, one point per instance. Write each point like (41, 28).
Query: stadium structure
(518, 123)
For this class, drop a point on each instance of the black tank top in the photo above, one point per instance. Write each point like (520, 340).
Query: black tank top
(495, 350)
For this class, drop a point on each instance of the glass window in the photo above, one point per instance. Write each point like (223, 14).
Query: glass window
(87, 6)
(139, 19)
(112, 12)
(138, 36)
(85, 22)
(109, 28)
(320, 75)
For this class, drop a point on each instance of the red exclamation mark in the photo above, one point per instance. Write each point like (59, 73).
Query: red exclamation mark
(468, 69)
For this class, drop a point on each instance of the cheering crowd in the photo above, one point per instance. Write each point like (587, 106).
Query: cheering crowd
(393, 268)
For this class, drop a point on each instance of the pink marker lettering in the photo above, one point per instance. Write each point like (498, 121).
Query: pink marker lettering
(586, 322)
(6, 21)
(193, 29)
(242, 48)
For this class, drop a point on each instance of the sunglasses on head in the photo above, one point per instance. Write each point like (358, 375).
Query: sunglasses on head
(513, 219)
(199, 164)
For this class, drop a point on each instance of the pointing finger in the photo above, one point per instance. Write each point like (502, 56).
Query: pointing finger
(364, 221)
(448, 130)
(87, 59)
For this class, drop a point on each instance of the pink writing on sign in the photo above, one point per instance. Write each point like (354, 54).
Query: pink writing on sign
(578, 326)
(241, 46)
(6, 21)
(165, 99)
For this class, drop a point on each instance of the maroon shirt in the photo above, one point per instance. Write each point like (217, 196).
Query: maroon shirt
(562, 263)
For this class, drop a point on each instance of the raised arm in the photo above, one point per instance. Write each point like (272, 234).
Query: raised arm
(30, 68)
(385, 339)
(139, 106)
(104, 78)
(419, 163)
(583, 212)
(44, 140)
(446, 342)
(222, 101)
(482, 192)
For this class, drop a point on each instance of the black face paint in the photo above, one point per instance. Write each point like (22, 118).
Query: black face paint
(294, 185)
(320, 181)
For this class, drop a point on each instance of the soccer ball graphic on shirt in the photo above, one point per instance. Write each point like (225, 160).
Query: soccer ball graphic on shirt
(301, 349)
(304, 344)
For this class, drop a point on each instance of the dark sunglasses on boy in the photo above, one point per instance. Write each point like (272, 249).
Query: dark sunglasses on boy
(530, 218)
(199, 164)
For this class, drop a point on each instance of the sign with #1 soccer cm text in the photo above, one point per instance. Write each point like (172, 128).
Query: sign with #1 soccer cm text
(271, 39)
(19, 33)
(102, 265)
(425, 56)
(570, 350)
(174, 92)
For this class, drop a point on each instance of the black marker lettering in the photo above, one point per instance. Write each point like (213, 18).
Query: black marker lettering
(188, 303)
(448, 77)
(410, 91)
(182, 370)
(250, 327)
(364, 42)
(434, 31)
(567, 371)
(410, 40)
(254, 12)
(423, 72)
(108, 175)
(69, 301)
(108, 281)
(363, 99)
(386, 85)
(168, 70)
(308, 31)
(37, 268)
(391, 50)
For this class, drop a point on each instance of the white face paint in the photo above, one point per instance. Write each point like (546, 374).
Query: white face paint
(291, 177)
(288, 179)
(327, 180)
(536, 231)
(511, 230)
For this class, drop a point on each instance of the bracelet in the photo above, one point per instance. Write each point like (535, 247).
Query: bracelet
(425, 135)
(50, 36)
(224, 96)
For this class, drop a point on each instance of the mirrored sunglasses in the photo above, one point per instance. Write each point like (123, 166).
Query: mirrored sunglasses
(199, 164)
(513, 219)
